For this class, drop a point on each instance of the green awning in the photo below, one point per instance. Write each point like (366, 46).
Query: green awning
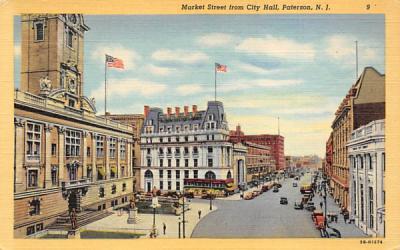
(101, 170)
(113, 169)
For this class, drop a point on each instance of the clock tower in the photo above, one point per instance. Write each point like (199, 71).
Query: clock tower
(52, 55)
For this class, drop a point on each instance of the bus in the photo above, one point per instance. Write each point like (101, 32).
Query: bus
(215, 187)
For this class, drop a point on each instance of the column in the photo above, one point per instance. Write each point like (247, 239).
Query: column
(94, 155)
(107, 157)
(118, 152)
(19, 154)
(47, 129)
(84, 158)
(128, 158)
(61, 154)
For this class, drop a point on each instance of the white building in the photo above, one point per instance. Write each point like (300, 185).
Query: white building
(184, 145)
(366, 152)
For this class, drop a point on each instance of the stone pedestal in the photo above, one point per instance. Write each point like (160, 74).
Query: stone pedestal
(132, 216)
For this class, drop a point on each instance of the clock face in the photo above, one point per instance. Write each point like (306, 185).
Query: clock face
(72, 18)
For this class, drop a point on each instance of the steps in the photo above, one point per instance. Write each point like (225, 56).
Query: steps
(83, 218)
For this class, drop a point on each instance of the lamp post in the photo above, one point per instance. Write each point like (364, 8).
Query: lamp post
(182, 195)
(179, 227)
(154, 205)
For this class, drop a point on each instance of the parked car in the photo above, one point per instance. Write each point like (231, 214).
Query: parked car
(276, 189)
(278, 185)
(294, 184)
(255, 193)
(298, 205)
(297, 178)
(283, 201)
(248, 196)
(310, 206)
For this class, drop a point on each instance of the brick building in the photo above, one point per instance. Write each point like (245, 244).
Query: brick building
(259, 163)
(328, 161)
(66, 157)
(364, 102)
(275, 142)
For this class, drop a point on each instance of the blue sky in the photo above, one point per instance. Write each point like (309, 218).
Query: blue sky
(297, 67)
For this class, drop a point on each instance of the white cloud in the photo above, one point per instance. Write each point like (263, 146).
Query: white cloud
(129, 56)
(17, 50)
(190, 89)
(215, 40)
(120, 88)
(277, 47)
(161, 71)
(242, 84)
(180, 56)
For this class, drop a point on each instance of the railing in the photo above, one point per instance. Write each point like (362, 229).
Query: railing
(372, 128)
(75, 183)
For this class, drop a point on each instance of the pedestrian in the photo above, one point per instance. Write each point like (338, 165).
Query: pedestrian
(164, 227)
(320, 204)
(199, 212)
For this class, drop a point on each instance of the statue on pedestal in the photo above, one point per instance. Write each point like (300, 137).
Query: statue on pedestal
(133, 211)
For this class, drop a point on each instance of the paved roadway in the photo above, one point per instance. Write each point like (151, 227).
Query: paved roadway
(260, 217)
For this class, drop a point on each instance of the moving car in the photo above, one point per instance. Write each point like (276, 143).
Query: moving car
(294, 184)
(276, 189)
(298, 205)
(283, 201)
(310, 206)
(297, 178)
(278, 185)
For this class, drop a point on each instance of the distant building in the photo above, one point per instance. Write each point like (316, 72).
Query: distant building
(66, 157)
(364, 102)
(185, 145)
(275, 142)
(259, 163)
(136, 121)
(366, 154)
(328, 162)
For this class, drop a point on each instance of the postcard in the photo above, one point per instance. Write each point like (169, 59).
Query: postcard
(189, 124)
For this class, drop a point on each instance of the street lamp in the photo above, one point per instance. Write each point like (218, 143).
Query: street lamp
(154, 205)
(179, 227)
(180, 195)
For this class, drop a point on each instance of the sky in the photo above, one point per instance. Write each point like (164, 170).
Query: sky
(295, 67)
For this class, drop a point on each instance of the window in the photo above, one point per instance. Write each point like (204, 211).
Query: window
(371, 207)
(178, 185)
(72, 143)
(169, 151)
(186, 162)
(210, 149)
(169, 185)
(112, 147)
(161, 151)
(123, 186)
(178, 174)
(186, 138)
(177, 139)
(177, 162)
(195, 174)
(70, 35)
(148, 151)
(161, 173)
(53, 149)
(32, 178)
(169, 174)
(161, 162)
(99, 146)
(89, 173)
(33, 141)
(169, 163)
(54, 175)
(195, 150)
(122, 171)
(149, 162)
(186, 174)
(186, 150)
(177, 151)
(195, 162)
(113, 189)
(210, 175)
(122, 150)
(161, 185)
(71, 102)
(383, 162)
(210, 162)
(169, 139)
(34, 207)
(362, 201)
(39, 31)
(212, 137)
(161, 139)
(88, 151)
(30, 230)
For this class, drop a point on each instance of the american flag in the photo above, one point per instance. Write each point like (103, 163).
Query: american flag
(114, 62)
(220, 67)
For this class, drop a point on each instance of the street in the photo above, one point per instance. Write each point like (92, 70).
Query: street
(265, 217)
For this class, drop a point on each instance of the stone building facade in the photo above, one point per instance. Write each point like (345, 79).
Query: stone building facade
(366, 154)
(184, 145)
(65, 156)
(259, 163)
(364, 102)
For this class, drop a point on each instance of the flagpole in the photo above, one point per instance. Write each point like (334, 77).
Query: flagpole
(105, 88)
(215, 82)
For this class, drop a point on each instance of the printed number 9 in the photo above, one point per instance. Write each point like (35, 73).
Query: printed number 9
(368, 6)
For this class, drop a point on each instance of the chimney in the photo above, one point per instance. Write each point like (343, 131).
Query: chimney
(177, 109)
(169, 111)
(186, 110)
(146, 111)
(194, 109)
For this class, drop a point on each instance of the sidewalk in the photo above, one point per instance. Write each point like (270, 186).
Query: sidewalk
(118, 223)
(346, 230)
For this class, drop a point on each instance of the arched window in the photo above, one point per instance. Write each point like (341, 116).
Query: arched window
(210, 175)
(148, 174)
(229, 175)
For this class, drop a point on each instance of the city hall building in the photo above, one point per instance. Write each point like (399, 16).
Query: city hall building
(65, 157)
(186, 145)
